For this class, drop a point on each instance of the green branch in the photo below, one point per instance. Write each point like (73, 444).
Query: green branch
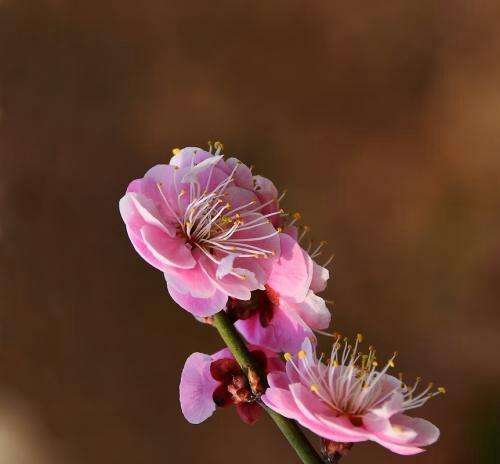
(289, 428)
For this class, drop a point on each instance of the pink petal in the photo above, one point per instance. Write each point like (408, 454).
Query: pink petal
(193, 281)
(285, 332)
(225, 266)
(278, 379)
(427, 433)
(142, 249)
(196, 388)
(266, 191)
(167, 250)
(292, 231)
(389, 408)
(189, 155)
(231, 285)
(242, 176)
(193, 172)
(238, 196)
(402, 434)
(138, 209)
(281, 401)
(291, 275)
(312, 310)
(320, 277)
(198, 306)
(340, 429)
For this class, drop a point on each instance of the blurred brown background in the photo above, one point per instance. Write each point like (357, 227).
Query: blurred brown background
(381, 118)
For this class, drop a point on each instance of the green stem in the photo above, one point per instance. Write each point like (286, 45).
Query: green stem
(289, 428)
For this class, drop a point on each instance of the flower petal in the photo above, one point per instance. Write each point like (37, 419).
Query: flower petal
(312, 310)
(167, 250)
(198, 306)
(320, 276)
(291, 275)
(285, 332)
(196, 388)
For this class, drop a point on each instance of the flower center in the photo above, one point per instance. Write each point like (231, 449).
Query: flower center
(350, 383)
(211, 224)
(233, 386)
(261, 303)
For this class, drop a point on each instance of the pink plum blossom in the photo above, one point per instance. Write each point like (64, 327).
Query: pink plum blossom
(214, 381)
(205, 222)
(282, 315)
(345, 399)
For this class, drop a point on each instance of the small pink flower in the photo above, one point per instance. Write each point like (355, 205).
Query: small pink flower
(217, 380)
(345, 399)
(205, 223)
(281, 316)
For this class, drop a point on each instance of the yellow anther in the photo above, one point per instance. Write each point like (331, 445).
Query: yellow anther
(441, 390)
(218, 145)
(282, 211)
(301, 354)
(374, 363)
(175, 151)
(335, 363)
(297, 216)
(265, 256)
(158, 184)
(306, 229)
(397, 428)
(314, 388)
(251, 167)
(359, 338)
(431, 384)
(287, 356)
(279, 229)
(391, 363)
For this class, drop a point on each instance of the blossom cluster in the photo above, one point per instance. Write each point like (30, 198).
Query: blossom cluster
(223, 242)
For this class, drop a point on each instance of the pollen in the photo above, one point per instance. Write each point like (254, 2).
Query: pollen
(314, 387)
(175, 151)
(301, 354)
(441, 390)
(287, 356)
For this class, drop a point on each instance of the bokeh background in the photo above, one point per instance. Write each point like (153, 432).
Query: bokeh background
(381, 118)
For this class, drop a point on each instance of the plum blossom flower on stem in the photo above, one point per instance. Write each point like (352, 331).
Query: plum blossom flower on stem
(205, 222)
(346, 399)
(208, 382)
(282, 315)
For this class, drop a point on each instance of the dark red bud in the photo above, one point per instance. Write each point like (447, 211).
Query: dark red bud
(223, 369)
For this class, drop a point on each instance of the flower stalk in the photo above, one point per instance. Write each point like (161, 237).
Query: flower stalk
(288, 428)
